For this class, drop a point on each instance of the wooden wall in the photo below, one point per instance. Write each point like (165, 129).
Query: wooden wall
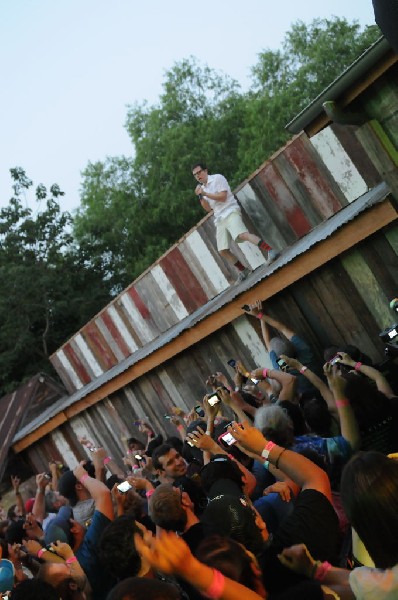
(300, 186)
(345, 301)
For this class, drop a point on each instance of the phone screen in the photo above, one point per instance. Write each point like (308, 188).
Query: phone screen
(255, 381)
(214, 399)
(232, 363)
(124, 487)
(228, 438)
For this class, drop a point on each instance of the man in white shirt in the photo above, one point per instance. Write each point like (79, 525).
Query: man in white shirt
(215, 194)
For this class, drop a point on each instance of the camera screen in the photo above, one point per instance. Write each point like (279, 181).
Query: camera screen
(214, 399)
(392, 334)
(228, 438)
(232, 363)
(124, 487)
(255, 381)
(335, 359)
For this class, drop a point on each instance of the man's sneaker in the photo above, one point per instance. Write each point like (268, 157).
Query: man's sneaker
(271, 256)
(243, 274)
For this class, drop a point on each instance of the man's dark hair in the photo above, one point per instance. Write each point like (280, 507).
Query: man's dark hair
(117, 550)
(34, 589)
(136, 442)
(202, 165)
(158, 453)
(141, 588)
(215, 471)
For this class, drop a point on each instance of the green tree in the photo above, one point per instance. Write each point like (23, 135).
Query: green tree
(49, 288)
(134, 209)
(287, 80)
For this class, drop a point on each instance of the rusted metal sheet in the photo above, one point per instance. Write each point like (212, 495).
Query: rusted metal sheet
(312, 178)
(185, 283)
(99, 346)
(339, 164)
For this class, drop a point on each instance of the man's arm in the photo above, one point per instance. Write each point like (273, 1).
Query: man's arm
(98, 491)
(16, 482)
(39, 506)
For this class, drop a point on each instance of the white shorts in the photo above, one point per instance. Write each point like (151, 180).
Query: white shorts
(230, 227)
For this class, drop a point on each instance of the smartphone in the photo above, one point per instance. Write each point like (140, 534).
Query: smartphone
(335, 360)
(92, 449)
(138, 457)
(189, 443)
(232, 363)
(213, 399)
(199, 411)
(167, 416)
(255, 381)
(227, 438)
(282, 365)
(48, 476)
(124, 487)
(246, 308)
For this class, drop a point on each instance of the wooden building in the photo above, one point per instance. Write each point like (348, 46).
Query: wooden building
(327, 200)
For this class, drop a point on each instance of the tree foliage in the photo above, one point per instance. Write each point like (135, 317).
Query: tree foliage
(49, 290)
(134, 209)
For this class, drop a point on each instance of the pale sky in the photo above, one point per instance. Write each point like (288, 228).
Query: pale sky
(69, 68)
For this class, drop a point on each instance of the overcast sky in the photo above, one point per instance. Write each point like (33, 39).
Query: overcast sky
(69, 68)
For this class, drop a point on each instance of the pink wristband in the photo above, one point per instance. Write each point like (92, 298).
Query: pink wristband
(70, 560)
(358, 365)
(107, 460)
(217, 586)
(265, 373)
(149, 493)
(342, 403)
(41, 552)
(260, 315)
(321, 570)
(84, 477)
(267, 450)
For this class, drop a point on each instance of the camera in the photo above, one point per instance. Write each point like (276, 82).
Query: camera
(335, 360)
(282, 364)
(232, 363)
(199, 411)
(389, 334)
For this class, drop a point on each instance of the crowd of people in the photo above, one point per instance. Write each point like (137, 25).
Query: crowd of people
(281, 484)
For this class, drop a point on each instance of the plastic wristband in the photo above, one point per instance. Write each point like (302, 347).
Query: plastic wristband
(265, 373)
(260, 315)
(180, 427)
(303, 369)
(267, 450)
(149, 493)
(41, 552)
(107, 460)
(342, 403)
(321, 570)
(216, 587)
(84, 477)
(70, 560)
(358, 365)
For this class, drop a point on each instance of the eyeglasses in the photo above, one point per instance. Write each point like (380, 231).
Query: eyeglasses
(197, 172)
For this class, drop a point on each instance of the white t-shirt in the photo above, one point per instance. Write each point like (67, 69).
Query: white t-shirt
(374, 584)
(215, 184)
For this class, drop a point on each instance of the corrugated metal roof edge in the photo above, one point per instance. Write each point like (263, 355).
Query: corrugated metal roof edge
(318, 234)
(353, 73)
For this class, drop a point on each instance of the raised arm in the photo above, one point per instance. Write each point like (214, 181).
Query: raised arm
(348, 423)
(381, 382)
(298, 468)
(98, 491)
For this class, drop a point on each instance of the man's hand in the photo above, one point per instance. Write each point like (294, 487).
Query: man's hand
(293, 363)
(140, 483)
(32, 527)
(298, 559)
(198, 190)
(336, 382)
(41, 482)
(210, 411)
(281, 488)
(248, 437)
(62, 549)
(204, 442)
(15, 482)
(167, 553)
(255, 308)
